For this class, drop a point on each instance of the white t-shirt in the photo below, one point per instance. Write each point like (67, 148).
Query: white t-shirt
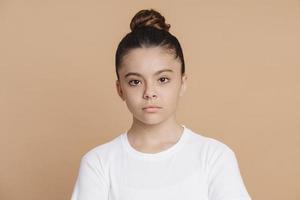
(195, 168)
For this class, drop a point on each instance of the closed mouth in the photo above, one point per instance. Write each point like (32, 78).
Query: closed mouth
(149, 107)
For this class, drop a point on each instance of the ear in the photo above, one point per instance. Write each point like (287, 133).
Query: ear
(119, 89)
(183, 84)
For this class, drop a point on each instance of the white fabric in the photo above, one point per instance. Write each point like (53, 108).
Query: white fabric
(195, 168)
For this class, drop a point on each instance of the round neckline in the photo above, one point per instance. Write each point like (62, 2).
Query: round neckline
(153, 156)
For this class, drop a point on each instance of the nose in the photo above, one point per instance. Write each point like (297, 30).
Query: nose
(150, 92)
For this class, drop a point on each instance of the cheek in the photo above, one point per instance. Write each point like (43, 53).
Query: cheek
(169, 96)
(132, 99)
(172, 90)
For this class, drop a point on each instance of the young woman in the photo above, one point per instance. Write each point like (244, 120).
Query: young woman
(157, 158)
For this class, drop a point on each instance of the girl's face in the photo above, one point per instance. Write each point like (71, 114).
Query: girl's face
(151, 77)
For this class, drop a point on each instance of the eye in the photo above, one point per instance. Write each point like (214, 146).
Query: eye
(164, 79)
(133, 82)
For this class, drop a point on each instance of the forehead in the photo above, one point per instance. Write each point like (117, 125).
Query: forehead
(149, 60)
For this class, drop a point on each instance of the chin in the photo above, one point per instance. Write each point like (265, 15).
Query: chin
(150, 120)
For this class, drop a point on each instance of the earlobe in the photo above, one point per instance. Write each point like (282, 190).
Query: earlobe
(183, 89)
(183, 85)
(119, 89)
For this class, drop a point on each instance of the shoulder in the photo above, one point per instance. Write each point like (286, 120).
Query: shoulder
(103, 152)
(208, 147)
(94, 164)
(200, 139)
(221, 168)
(214, 154)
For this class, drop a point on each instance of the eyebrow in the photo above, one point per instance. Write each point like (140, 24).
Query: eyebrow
(156, 73)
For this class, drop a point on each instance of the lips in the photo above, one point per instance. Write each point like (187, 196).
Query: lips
(151, 106)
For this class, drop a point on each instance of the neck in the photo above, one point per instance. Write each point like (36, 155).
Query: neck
(153, 134)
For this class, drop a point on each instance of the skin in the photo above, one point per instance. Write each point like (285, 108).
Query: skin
(152, 132)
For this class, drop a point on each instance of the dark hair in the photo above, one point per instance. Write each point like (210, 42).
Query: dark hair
(148, 29)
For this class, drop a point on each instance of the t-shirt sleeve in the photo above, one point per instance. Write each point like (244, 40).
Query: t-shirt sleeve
(91, 183)
(224, 178)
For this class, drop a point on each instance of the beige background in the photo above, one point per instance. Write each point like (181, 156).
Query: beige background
(58, 98)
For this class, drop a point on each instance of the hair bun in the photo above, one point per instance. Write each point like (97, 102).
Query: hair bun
(150, 18)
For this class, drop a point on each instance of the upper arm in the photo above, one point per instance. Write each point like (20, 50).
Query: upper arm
(91, 183)
(224, 178)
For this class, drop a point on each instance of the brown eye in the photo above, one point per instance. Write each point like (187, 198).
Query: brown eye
(164, 79)
(133, 82)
